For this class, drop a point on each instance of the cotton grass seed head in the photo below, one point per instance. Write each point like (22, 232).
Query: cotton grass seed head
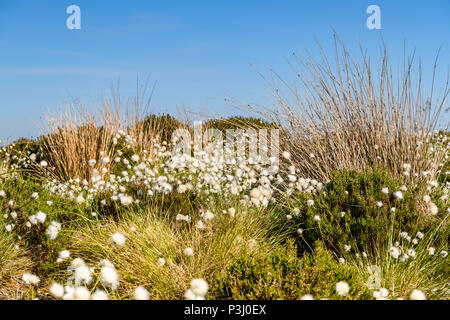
(117, 239)
(140, 293)
(342, 288)
(417, 295)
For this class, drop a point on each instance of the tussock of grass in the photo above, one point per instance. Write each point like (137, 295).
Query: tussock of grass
(155, 236)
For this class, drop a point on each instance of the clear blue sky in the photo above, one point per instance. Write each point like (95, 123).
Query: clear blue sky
(198, 51)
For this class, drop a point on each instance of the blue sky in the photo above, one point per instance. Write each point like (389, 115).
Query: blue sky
(198, 51)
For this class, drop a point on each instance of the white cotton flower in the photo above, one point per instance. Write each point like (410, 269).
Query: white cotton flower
(56, 290)
(443, 254)
(69, 291)
(99, 295)
(34, 195)
(398, 195)
(43, 163)
(53, 230)
(316, 218)
(431, 251)
(432, 208)
(395, 252)
(384, 292)
(32, 220)
(40, 217)
(82, 275)
(109, 277)
(140, 293)
(208, 215)
(342, 288)
(2, 193)
(161, 262)
(117, 239)
(379, 204)
(200, 225)
(30, 279)
(80, 199)
(307, 297)
(426, 198)
(419, 235)
(189, 295)
(81, 293)
(126, 200)
(63, 255)
(135, 158)
(199, 287)
(92, 162)
(286, 155)
(105, 263)
(181, 188)
(411, 253)
(417, 295)
(182, 217)
(385, 190)
(189, 252)
(105, 160)
(255, 193)
(341, 260)
(310, 203)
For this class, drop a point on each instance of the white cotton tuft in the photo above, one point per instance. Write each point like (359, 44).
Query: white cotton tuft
(417, 295)
(99, 295)
(342, 288)
(117, 239)
(30, 279)
(109, 277)
(189, 252)
(199, 287)
(140, 293)
(56, 290)
(81, 293)
(82, 275)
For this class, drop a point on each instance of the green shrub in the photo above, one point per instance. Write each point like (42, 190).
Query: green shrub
(349, 214)
(237, 122)
(164, 124)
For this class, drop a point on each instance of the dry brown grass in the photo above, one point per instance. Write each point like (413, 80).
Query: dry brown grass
(349, 115)
(76, 135)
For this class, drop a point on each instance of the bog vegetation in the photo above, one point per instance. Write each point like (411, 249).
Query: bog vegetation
(102, 206)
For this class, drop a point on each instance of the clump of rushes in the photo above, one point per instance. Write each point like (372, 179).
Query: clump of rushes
(348, 114)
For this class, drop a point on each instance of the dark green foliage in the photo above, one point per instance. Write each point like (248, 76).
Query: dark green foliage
(365, 226)
(237, 122)
(164, 124)
(282, 275)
